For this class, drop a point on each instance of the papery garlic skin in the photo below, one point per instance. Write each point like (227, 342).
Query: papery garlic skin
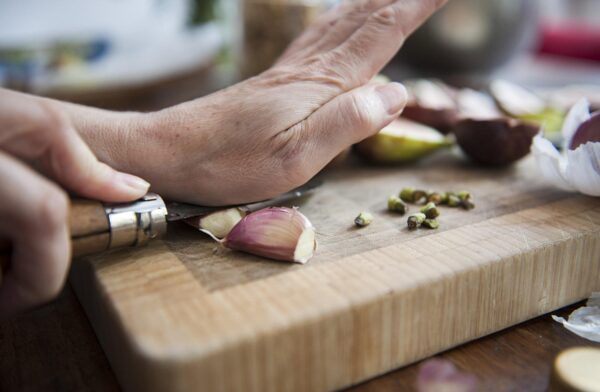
(278, 233)
(574, 170)
(219, 223)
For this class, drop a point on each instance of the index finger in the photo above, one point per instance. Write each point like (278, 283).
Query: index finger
(373, 44)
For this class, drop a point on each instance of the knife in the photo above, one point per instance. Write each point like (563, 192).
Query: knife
(96, 226)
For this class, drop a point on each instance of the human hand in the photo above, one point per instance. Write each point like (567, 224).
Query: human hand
(34, 209)
(275, 131)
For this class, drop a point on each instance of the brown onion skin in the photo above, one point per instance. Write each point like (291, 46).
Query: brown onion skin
(495, 142)
(588, 131)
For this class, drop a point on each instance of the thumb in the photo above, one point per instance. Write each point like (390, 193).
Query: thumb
(71, 163)
(354, 116)
(38, 131)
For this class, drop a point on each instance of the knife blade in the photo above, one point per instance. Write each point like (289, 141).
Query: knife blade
(95, 227)
(178, 211)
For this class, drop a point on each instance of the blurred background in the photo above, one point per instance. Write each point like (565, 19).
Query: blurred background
(147, 54)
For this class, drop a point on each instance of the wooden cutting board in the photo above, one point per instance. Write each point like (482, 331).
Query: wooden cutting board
(183, 314)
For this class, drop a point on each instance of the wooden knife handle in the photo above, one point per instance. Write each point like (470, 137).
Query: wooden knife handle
(96, 227)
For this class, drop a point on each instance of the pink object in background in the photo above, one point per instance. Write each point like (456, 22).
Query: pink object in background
(571, 39)
(440, 375)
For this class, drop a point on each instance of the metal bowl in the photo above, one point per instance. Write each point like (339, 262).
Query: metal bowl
(472, 36)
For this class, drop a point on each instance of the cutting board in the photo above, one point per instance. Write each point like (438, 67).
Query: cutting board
(184, 314)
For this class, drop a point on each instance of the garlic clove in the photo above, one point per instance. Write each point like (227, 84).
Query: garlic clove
(219, 223)
(278, 233)
(401, 141)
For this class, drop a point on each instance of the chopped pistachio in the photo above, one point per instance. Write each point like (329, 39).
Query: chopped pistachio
(363, 219)
(395, 204)
(467, 204)
(464, 195)
(430, 210)
(411, 195)
(415, 220)
(406, 194)
(444, 198)
(419, 195)
(453, 200)
(431, 223)
(434, 197)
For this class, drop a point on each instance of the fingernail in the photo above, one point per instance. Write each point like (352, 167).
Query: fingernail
(393, 96)
(133, 182)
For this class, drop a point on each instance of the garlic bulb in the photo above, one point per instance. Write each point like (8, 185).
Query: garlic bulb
(576, 169)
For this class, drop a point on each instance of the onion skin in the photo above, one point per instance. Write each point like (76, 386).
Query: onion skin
(495, 142)
(272, 232)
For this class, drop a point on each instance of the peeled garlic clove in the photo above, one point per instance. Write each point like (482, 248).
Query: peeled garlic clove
(494, 142)
(401, 141)
(431, 103)
(278, 233)
(218, 223)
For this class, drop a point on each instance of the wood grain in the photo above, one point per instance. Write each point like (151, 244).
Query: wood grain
(516, 359)
(372, 300)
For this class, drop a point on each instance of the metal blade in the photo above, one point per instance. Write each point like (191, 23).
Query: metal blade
(178, 211)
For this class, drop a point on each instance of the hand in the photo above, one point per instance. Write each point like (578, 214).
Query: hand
(34, 210)
(275, 131)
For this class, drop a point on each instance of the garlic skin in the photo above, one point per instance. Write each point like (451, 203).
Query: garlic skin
(219, 223)
(572, 170)
(278, 233)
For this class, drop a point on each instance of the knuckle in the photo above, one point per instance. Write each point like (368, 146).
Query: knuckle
(357, 111)
(52, 120)
(292, 157)
(385, 17)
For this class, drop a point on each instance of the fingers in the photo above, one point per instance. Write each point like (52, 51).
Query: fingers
(348, 23)
(345, 120)
(314, 32)
(332, 28)
(35, 130)
(34, 218)
(376, 41)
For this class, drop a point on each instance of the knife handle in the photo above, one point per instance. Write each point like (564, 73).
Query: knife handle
(95, 227)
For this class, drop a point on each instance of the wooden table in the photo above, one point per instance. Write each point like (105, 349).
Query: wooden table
(54, 348)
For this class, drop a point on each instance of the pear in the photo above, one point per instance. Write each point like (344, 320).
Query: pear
(402, 141)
